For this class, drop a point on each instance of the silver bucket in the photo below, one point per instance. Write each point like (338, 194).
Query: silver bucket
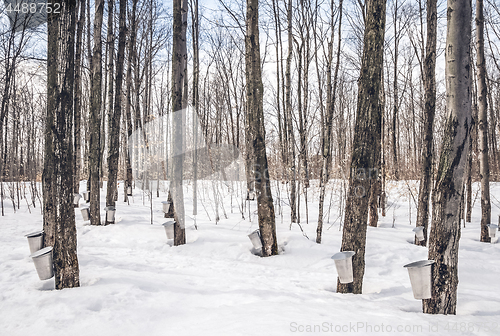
(420, 278)
(343, 262)
(43, 263)
(169, 229)
(86, 196)
(129, 191)
(419, 233)
(76, 199)
(110, 214)
(255, 239)
(492, 230)
(86, 214)
(35, 240)
(251, 195)
(166, 206)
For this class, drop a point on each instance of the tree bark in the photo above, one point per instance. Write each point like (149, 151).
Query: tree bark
(116, 114)
(366, 143)
(447, 194)
(59, 217)
(482, 91)
(179, 67)
(255, 115)
(395, 107)
(78, 96)
(330, 108)
(429, 79)
(196, 100)
(128, 102)
(288, 115)
(95, 118)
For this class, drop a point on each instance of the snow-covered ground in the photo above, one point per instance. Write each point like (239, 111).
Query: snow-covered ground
(134, 282)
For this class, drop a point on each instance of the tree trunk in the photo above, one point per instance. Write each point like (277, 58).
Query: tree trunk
(447, 194)
(255, 115)
(366, 143)
(78, 97)
(179, 67)
(288, 115)
(59, 217)
(115, 116)
(95, 118)
(482, 91)
(395, 107)
(128, 101)
(196, 100)
(429, 79)
(110, 49)
(330, 108)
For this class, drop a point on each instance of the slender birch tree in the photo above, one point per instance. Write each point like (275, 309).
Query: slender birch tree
(429, 79)
(482, 127)
(179, 67)
(449, 187)
(255, 116)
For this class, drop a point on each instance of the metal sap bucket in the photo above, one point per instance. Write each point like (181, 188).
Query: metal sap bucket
(166, 206)
(86, 214)
(255, 239)
(169, 229)
(492, 230)
(343, 263)
(129, 191)
(419, 232)
(35, 240)
(420, 278)
(251, 195)
(76, 199)
(43, 263)
(86, 196)
(110, 214)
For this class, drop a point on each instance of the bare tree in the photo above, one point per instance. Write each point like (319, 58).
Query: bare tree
(366, 143)
(115, 116)
(255, 116)
(429, 78)
(179, 68)
(78, 96)
(330, 108)
(483, 129)
(448, 190)
(95, 117)
(59, 218)
(288, 115)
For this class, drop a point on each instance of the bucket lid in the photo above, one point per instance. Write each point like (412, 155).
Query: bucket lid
(34, 234)
(41, 252)
(420, 263)
(164, 202)
(493, 226)
(168, 223)
(418, 228)
(343, 255)
(110, 208)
